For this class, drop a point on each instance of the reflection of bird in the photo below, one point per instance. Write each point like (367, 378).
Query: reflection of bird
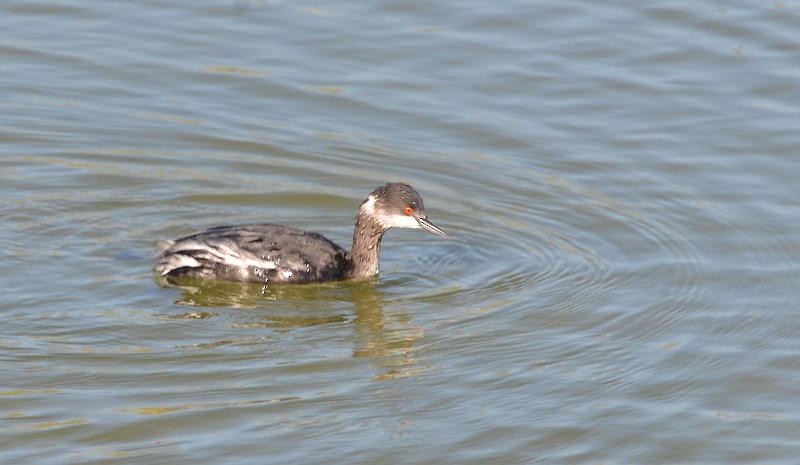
(267, 253)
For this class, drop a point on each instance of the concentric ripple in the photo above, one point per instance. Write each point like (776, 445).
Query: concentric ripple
(553, 245)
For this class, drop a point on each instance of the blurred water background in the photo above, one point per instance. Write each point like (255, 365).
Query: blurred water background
(619, 178)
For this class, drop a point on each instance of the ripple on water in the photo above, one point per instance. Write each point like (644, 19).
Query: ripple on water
(549, 244)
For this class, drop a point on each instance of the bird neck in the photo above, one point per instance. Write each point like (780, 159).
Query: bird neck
(366, 250)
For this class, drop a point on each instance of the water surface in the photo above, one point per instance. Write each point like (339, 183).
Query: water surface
(619, 181)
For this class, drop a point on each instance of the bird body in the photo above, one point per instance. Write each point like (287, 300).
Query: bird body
(271, 253)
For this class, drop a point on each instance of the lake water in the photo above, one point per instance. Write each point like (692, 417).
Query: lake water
(620, 180)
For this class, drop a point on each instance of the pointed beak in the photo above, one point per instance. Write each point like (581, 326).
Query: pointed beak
(426, 224)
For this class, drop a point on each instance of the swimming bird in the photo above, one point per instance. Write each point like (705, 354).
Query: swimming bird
(272, 253)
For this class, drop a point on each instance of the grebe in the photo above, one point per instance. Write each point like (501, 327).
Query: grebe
(270, 253)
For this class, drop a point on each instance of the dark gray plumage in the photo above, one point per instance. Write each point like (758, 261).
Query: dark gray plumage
(268, 253)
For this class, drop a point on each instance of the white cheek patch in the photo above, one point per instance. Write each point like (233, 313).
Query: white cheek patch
(402, 221)
(398, 220)
(369, 205)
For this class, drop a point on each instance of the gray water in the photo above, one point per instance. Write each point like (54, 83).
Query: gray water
(619, 180)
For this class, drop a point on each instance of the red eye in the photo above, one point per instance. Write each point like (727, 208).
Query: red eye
(408, 210)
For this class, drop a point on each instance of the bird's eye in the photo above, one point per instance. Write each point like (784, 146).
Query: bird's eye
(408, 210)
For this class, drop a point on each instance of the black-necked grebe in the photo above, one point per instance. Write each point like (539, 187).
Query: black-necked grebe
(268, 253)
